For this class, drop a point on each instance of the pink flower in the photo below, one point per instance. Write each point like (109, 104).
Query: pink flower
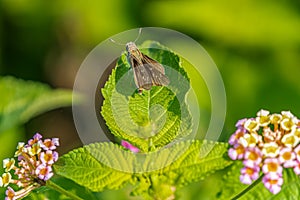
(129, 146)
(10, 194)
(50, 144)
(49, 157)
(297, 152)
(269, 141)
(32, 169)
(249, 174)
(234, 138)
(44, 172)
(240, 123)
(297, 167)
(253, 157)
(273, 183)
(236, 153)
(287, 157)
(35, 139)
(272, 167)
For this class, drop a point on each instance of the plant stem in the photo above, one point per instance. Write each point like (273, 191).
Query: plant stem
(150, 144)
(61, 190)
(248, 188)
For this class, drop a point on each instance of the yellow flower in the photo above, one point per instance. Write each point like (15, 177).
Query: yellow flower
(8, 164)
(251, 125)
(34, 149)
(270, 149)
(6, 178)
(263, 117)
(296, 132)
(287, 124)
(20, 149)
(287, 114)
(249, 140)
(290, 140)
(276, 118)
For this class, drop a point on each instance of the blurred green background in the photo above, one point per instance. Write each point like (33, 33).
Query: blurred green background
(255, 44)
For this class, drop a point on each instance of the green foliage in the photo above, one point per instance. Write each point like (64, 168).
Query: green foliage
(91, 166)
(151, 121)
(22, 100)
(257, 49)
(81, 166)
(198, 161)
(231, 184)
(49, 193)
(157, 116)
(194, 160)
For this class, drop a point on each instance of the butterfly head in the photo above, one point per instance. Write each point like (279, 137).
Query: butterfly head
(131, 47)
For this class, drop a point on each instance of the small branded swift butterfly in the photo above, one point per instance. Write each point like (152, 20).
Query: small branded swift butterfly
(147, 71)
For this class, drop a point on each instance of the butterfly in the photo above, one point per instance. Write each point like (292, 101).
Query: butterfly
(147, 71)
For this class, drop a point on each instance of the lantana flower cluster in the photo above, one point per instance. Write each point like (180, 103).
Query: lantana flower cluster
(266, 144)
(32, 168)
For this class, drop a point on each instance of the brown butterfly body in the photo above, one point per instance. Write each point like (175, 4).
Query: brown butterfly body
(147, 71)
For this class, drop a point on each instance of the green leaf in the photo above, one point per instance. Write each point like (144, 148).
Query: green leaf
(154, 186)
(83, 166)
(234, 189)
(184, 162)
(200, 159)
(231, 184)
(102, 166)
(22, 100)
(156, 117)
(10, 138)
(46, 192)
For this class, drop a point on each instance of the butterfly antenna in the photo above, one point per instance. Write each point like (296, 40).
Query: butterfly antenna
(140, 31)
(118, 43)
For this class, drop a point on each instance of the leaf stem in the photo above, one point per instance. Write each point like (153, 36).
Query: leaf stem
(257, 181)
(151, 147)
(61, 190)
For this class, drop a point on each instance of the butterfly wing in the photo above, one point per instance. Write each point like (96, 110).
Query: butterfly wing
(142, 78)
(156, 70)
